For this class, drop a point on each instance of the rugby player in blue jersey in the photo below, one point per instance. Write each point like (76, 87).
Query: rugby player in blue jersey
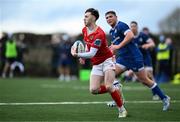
(144, 43)
(129, 56)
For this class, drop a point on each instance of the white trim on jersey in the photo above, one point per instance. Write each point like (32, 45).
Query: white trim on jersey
(148, 68)
(135, 36)
(126, 31)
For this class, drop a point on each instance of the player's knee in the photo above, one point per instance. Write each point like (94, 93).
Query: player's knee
(142, 78)
(109, 88)
(93, 91)
(146, 81)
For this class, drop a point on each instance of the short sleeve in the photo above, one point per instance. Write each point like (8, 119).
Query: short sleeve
(123, 28)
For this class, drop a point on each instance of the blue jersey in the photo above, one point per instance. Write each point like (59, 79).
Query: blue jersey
(140, 40)
(129, 55)
(130, 50)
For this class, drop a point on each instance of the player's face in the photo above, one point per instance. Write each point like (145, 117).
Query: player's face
(88, 19)
(146, 32)
(111, 19)
(134, 28)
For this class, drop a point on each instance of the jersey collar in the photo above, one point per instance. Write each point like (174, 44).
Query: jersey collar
(135, 36)
(93, 33)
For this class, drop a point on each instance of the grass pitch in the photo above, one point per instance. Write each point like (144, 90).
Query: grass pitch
(43, 99)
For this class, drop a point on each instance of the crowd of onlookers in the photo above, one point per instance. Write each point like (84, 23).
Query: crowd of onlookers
(17, 55)
(13, 47)
(11, 54)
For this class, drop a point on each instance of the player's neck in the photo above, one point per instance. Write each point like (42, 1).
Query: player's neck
(92, 28)
(136, 33)
(114, 24)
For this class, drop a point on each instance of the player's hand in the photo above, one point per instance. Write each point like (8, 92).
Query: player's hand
(73, 52)
(81, 61)
(114, 58)
(114, 47)
(145, 46)
(113, 52)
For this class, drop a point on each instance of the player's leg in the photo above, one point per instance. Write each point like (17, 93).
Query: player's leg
(117, 84)
(95, 80)
(115, 94)
(119, 70)
(60, 70)
(67, 73)
(95, 85)
(142, 77)
(5, 69)
(109, 76)
(97, 76)
(149, 71)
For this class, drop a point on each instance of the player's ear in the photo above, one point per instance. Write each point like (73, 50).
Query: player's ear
(93, 18)
(115, 16)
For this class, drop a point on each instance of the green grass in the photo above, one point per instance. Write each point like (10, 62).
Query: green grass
(29, 90)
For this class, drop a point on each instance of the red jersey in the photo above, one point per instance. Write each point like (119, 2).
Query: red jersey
(97, 39)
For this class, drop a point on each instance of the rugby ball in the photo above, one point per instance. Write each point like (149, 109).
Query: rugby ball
(79, 46)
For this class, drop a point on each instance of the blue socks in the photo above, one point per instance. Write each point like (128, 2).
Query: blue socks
(155, 89)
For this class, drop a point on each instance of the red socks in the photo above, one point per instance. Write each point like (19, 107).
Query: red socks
(117, 98)
(102, 89)
(115, 95)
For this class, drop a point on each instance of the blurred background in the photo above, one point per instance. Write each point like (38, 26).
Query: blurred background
(44, 30)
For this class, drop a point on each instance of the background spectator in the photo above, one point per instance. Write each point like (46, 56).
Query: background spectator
(10, 56)
(163, 57)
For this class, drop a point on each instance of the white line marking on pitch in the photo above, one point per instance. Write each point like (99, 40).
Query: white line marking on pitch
(125, 88)
(79, 103)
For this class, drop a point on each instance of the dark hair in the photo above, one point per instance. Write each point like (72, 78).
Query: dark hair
(134, 22)
(145, 29)
(93, 12)
(110, 12)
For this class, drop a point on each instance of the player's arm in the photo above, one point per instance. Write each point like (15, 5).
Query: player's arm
(89, 54)
(128, 37)
(149, 44)
(86, 48)
(82, 60)
(93, 50)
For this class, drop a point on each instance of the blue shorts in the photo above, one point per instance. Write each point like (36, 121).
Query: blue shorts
(130, 64)
(65, 62)
(147, 61)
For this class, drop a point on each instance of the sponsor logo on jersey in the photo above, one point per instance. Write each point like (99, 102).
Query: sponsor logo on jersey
(115, 39)
(97, 42)
(91, 37)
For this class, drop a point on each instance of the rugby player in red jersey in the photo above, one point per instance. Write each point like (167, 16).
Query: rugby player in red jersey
(101, 57)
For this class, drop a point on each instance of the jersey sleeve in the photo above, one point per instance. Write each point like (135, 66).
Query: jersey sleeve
(123, 28)
(97, 42)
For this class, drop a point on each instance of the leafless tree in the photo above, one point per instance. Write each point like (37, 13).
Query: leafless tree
(171, 24)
